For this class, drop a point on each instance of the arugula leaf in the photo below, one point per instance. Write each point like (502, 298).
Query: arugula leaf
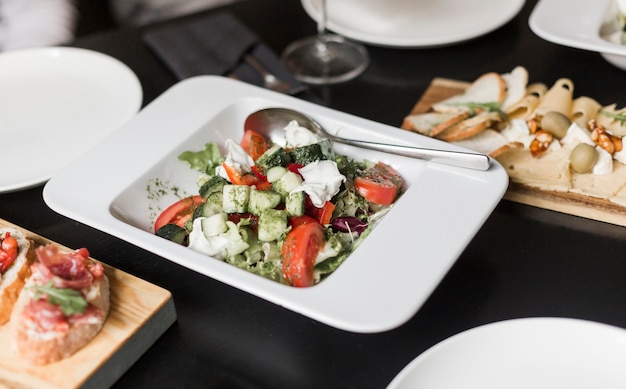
(69, 300)
(489, 107)
(619, 116)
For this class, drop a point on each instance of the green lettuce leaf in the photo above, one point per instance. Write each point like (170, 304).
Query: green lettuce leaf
(205, 160)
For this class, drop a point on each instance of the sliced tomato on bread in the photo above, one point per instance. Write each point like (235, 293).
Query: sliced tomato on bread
(16, 255)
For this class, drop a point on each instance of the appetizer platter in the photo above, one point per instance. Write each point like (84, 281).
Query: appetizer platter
(562, 152)
(379, 286)
(69, 320)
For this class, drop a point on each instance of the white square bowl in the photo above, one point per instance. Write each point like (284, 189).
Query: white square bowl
(383, 282)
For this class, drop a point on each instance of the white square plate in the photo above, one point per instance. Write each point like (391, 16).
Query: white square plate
(380, 286)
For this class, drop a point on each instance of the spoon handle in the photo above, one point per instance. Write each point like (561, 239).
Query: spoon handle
(454, 158)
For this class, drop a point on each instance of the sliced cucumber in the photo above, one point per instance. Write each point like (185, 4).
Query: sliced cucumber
(288, 182)
(272, 224)
(326, 148)
(235, 198)
(274, 156)
(294, 204)
(214, 225)
(304, 155)
(275, 173)
(213, 185)
(212, 206)
(173, 232)
(261, 200)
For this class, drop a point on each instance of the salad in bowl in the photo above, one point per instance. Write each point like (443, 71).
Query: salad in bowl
(289, 212)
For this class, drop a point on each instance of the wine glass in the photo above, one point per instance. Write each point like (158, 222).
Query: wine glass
(325, 58)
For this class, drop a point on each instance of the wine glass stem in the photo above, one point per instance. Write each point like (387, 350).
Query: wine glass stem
(321, 24)
(320, 44)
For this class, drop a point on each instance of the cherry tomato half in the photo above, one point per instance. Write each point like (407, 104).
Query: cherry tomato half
(299, 251)
(254, 144)
(8, 251)
(379, 184)
(179, 212)
(295, 221)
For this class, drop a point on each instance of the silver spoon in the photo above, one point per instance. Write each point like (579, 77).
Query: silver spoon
(272, 121)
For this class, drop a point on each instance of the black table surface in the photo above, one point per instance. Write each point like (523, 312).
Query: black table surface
(524, 262)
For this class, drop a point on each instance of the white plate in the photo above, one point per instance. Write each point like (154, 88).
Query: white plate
(538, 353)
(55, 104)
(414, 23)
(381, 285)
(582, 24)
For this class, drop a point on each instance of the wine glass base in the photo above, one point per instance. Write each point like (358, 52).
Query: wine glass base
(325, 59)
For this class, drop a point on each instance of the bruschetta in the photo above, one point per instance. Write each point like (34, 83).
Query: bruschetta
(16, 255)
(62, 307)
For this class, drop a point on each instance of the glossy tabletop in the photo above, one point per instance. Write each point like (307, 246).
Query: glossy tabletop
(524, 262)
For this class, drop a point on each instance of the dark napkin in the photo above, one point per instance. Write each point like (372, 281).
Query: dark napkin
(214, 45)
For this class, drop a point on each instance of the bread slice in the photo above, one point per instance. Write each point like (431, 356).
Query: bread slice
(42, 347)
(12, 281)
(40, 341)
(469, 127)
(488, 88)
(432, 123)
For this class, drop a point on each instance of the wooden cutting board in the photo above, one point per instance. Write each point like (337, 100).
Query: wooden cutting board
(570, 203)
(140, 314)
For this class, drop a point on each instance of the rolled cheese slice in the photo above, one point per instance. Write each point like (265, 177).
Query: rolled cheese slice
(558, 98)
(583, 110)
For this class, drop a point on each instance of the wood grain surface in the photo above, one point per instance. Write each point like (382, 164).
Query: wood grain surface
(570, 203)
(140, 313)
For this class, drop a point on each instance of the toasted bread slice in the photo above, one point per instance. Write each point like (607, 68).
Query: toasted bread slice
(468, 127)
(506, 147)
(41, 347)
(42, 331)
(432, 123)
(12, 281)
(488, 88)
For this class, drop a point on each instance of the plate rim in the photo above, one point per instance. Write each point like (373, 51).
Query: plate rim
(65, 52)
(584, 35)
(414, 43)
(523, 323)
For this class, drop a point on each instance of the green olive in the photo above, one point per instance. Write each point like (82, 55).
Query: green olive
(556, 123)
(583, 157)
